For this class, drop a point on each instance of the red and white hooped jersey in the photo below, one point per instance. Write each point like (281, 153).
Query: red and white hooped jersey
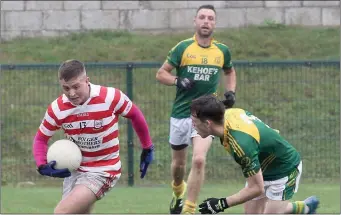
(93, 126)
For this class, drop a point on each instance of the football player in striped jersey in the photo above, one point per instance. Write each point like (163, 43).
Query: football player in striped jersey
(88, 114)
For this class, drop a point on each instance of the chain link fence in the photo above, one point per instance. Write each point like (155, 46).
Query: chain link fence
(301, 99)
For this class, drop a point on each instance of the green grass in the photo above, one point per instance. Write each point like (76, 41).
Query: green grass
(302, 102)
(150, 200)
(254, 43)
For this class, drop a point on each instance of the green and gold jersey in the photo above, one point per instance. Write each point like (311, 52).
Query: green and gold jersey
(254, 146)
(203, 65)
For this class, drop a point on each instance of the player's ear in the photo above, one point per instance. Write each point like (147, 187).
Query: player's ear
(87, 80)
(208, 122)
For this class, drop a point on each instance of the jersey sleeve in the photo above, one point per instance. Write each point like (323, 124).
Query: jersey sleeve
(227, 59)
(121, 103)
(227, 56)
(50, 124)
(174, 55)
(246, 150)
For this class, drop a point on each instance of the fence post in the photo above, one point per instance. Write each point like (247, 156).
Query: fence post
(130, 134)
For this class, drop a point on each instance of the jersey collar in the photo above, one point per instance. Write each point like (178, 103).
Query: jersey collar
(195, 39)
(94, 90)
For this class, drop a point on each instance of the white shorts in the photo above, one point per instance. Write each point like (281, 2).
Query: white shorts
(284, 188)
(181, 131)
(98, 184)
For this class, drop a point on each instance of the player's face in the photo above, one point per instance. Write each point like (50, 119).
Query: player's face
(204, 22)
(202, 127)
(77, 90)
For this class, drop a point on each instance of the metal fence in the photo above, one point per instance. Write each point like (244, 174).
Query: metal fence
(301, 99)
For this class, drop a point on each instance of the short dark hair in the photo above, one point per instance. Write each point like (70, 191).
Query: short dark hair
(208, 107)
(70, 69)
(206, 6)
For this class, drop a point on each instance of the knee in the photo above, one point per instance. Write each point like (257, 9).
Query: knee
(199, 162)
(179, 159)
(60, 210)
(179, 163)
(63, 208)
(70, 210)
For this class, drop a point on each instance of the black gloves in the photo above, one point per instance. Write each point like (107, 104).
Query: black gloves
(184, 83)
(230, 98)
(213, 206)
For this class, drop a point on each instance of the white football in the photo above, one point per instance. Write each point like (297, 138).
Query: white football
(66, 154)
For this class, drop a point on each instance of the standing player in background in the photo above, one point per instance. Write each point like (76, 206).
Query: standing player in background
(271, 165)
(89, 115)
(198, 61)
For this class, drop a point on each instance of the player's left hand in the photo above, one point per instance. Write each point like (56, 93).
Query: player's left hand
(213, 206)
(230, 99)
(147, 157)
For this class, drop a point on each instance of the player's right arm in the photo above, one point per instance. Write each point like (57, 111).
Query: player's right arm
(46, 130)
(164, 74)
(245, 149)
(49, 125)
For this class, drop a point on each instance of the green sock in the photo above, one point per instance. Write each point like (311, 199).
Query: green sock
(299, 207)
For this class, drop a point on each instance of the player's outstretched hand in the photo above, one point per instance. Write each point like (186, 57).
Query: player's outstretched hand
(185, 83)
(147, 157)
(230, 99)
(213, 206)
(48, 170)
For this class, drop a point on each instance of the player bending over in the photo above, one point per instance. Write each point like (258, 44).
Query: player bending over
(89, 115)
(271, 165)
